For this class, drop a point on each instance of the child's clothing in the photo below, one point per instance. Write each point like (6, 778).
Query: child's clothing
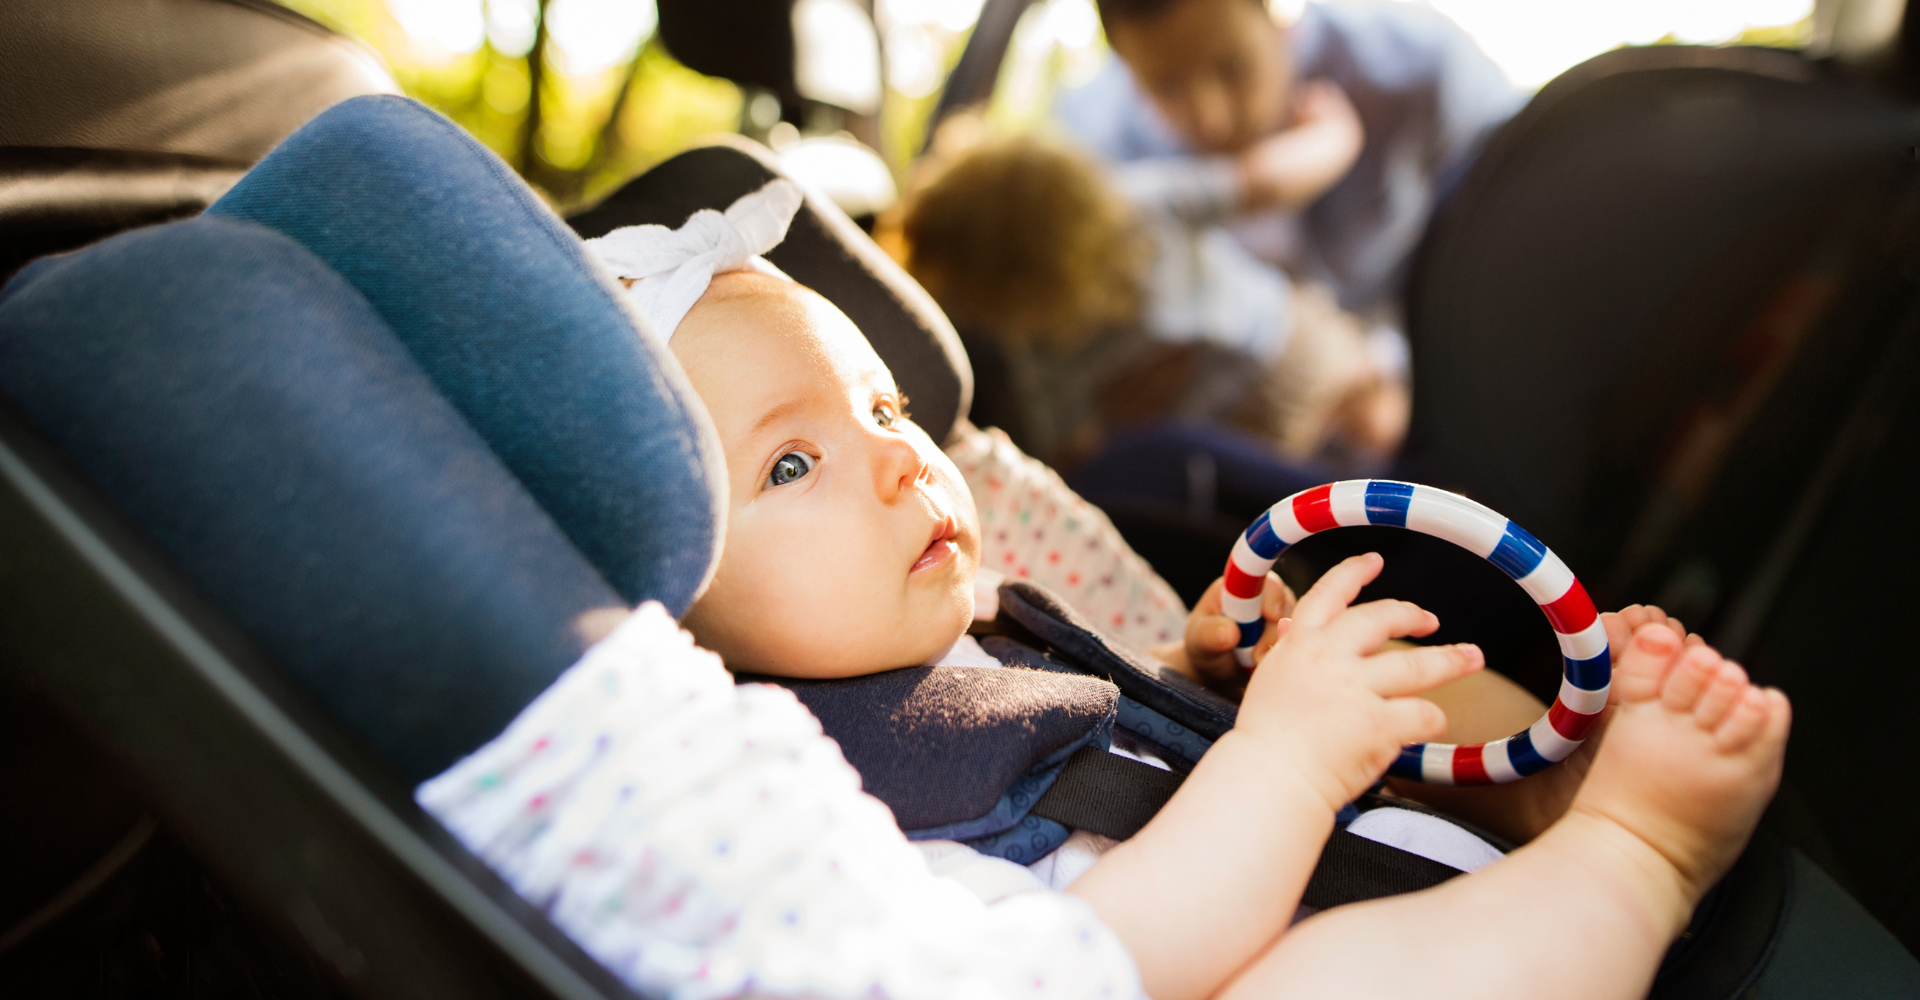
(704, 839)
(1033, 527)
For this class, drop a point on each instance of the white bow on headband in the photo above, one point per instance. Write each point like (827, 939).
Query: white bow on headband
(673, 267)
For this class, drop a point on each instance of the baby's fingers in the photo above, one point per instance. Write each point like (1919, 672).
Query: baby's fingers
(1410, 671)
(1413, 720)
(1336, 589)
(1274, 633)
(1365, 628)
(1276, 599)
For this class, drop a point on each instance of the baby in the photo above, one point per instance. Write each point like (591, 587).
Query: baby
(851, 549)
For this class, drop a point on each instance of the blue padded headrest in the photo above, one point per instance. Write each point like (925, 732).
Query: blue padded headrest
(495, 299)
(253, 417)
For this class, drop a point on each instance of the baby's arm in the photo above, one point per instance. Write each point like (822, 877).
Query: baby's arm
(1217, 875)
(1691, 757)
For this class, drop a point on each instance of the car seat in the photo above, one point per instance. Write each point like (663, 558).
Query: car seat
(325, 719)
(245, 536)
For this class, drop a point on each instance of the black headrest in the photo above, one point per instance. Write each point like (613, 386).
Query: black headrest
(226, 79)
(825, 251)
(124, 113)
(1604, 250)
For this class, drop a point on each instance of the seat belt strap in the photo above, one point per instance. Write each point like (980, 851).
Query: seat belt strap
(1107, 794)
(1115, 796)
(1352, 868)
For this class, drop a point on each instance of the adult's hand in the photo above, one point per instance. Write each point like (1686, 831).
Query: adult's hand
(1293, 167)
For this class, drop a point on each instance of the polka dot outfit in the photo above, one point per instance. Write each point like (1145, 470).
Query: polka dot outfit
(704, 840)
(1033, 527)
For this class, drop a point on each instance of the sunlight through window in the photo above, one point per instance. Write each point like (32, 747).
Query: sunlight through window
(455, 27)
(594, 35)
(1536, 40)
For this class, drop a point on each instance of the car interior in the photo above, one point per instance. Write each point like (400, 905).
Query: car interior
(1668, 320)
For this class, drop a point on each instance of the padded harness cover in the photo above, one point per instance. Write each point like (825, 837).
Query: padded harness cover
(965, 753)
(1152, 684)
(942, 746)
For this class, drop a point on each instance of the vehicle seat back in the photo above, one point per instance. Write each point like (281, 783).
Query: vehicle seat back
(124, 113)
(1666, 322)
(1608, 244)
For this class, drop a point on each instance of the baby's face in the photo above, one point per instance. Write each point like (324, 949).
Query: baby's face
(851, 540)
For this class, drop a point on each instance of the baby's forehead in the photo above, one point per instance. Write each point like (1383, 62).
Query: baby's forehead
(760, 327)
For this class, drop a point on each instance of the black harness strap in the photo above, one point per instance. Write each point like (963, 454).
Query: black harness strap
(1353, 868)
(1107, 794)
(1115, 796)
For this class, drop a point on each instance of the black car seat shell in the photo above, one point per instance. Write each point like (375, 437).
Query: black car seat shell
(120, 113)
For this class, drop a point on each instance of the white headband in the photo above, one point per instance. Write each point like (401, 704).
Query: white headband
(673, 267)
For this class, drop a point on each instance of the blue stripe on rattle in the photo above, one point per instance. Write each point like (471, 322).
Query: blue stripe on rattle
(1387, 502)
(1250, 632)
(1262, 540)
(1407, 765)
(1590, 674)
(1518, 552)
(1524, 758)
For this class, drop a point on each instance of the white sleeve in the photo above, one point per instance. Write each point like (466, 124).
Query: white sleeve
(703, 839)
(1195, 189)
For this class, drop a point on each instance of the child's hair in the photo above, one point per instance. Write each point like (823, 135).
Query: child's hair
(1024, 238)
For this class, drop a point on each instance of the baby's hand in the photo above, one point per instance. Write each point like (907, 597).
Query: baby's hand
(1327, 697)
(1206, 654)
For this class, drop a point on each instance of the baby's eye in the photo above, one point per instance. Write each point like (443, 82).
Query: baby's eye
(884, 414)
(790, 467)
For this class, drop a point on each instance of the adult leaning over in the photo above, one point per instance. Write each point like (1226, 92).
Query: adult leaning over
(1322, 140)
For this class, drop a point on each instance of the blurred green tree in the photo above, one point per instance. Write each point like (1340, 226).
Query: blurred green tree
(573, 124)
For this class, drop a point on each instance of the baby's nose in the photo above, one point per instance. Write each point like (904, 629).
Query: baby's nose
(897, 467)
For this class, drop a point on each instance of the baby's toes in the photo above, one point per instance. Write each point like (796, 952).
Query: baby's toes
(1779, 717)
(1688, 680)
(1725, 689)
(1643, 663)
(1748, 719)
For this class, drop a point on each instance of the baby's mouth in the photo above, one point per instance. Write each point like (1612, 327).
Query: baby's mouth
(941, 548)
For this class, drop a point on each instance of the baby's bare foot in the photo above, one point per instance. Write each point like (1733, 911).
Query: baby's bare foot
(1691, 755)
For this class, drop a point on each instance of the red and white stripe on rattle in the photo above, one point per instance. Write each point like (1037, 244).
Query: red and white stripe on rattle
(1587, 669)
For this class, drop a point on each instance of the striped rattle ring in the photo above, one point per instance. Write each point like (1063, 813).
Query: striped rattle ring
(1545, 578)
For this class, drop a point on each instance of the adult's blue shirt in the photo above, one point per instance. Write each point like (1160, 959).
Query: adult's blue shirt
(1426, 95)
